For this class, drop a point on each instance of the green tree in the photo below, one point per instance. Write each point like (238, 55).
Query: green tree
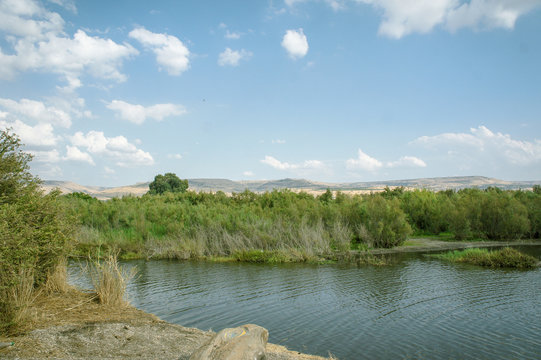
(167, 183)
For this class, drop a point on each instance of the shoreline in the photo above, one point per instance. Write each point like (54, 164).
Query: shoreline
(72, 325)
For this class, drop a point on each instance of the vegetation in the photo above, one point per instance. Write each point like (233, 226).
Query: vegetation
(110, 280)
(503, 258)
(33, 233)
(283, 226)
(167, 183)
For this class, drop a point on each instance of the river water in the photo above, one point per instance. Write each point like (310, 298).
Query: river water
(417, 308)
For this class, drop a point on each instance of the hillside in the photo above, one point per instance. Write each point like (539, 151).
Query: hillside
(230, 186)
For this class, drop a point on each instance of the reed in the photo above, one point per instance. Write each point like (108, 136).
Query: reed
(110, 280)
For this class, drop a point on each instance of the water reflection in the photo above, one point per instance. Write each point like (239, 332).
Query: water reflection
(419, 307)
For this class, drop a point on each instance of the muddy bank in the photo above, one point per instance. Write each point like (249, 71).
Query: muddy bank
(74, 326)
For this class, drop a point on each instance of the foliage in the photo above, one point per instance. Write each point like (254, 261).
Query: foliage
(503, 258)
(167, 183)
(33, 230)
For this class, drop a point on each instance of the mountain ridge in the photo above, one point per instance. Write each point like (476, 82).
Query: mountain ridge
(315, 187)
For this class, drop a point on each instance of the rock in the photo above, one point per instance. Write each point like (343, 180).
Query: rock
(246, 342)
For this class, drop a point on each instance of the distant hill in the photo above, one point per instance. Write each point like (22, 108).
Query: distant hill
(230, 186)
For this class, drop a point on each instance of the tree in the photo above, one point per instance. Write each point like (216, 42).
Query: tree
(167, 183)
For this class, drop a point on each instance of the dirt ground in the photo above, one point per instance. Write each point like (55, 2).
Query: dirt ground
(73, 325)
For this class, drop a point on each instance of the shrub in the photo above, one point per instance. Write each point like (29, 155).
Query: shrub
(33, 231)
(385, 222)
(503, 258)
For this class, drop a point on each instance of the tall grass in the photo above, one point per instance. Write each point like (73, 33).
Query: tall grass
(110, 280)
(15, 301)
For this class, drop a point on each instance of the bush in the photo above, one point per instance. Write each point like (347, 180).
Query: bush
(33, 231)
(385, 223)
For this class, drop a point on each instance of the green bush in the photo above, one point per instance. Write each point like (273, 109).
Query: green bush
(33, 230)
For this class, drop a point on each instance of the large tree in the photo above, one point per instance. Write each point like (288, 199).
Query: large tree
(167, 183)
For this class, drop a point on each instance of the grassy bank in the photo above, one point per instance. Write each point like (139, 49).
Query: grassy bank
(502, 258)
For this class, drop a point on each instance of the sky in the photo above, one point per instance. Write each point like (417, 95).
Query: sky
(112, 93)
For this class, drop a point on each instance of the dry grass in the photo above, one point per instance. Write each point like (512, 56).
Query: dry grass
(57, 280)
(110, 280)
(16, 302)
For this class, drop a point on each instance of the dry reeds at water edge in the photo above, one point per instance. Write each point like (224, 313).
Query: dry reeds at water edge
(110, 280)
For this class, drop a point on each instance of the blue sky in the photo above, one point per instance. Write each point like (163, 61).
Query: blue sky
(114, 92)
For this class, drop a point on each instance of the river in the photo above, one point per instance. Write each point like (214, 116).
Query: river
(417, 308)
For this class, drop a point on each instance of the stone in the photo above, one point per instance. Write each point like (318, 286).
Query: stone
(246, 342)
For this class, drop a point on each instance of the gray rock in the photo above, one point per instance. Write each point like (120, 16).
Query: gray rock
(246, 342)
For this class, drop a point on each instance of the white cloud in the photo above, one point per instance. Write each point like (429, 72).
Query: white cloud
(66, 4)
(108, 170)
(277, 164)
(69, 57)
(27, 18)
(407, 161)
(137, 114)
(295, 43)
(364, 162)
(38, 135)
(39, 43)
(278, 141)
(117, 148)
(37, 111)
(248, 173)
(481, 142)
(232, 35)
(174, 156)
(51, 156)
(74, 154)
(232, 57)
(403, 17)
(170, 52)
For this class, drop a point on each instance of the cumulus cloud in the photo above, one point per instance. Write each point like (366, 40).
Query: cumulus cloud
(37, 111)
(117, 148)
(39, 44)
(137, 114)
(232, 57)
(364, 162)
(248, 173)
(170, 52)
(38, 135)
(232, 35)
(295, 43)
(74, 154)
(277, 164)
(27, 18)
(367, 163)
(278, 141)
(403, 17)
(51, 156)
(481, 142)
(407, 161)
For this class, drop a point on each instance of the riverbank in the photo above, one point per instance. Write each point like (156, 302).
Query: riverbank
(72, 325)
(432, 245)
